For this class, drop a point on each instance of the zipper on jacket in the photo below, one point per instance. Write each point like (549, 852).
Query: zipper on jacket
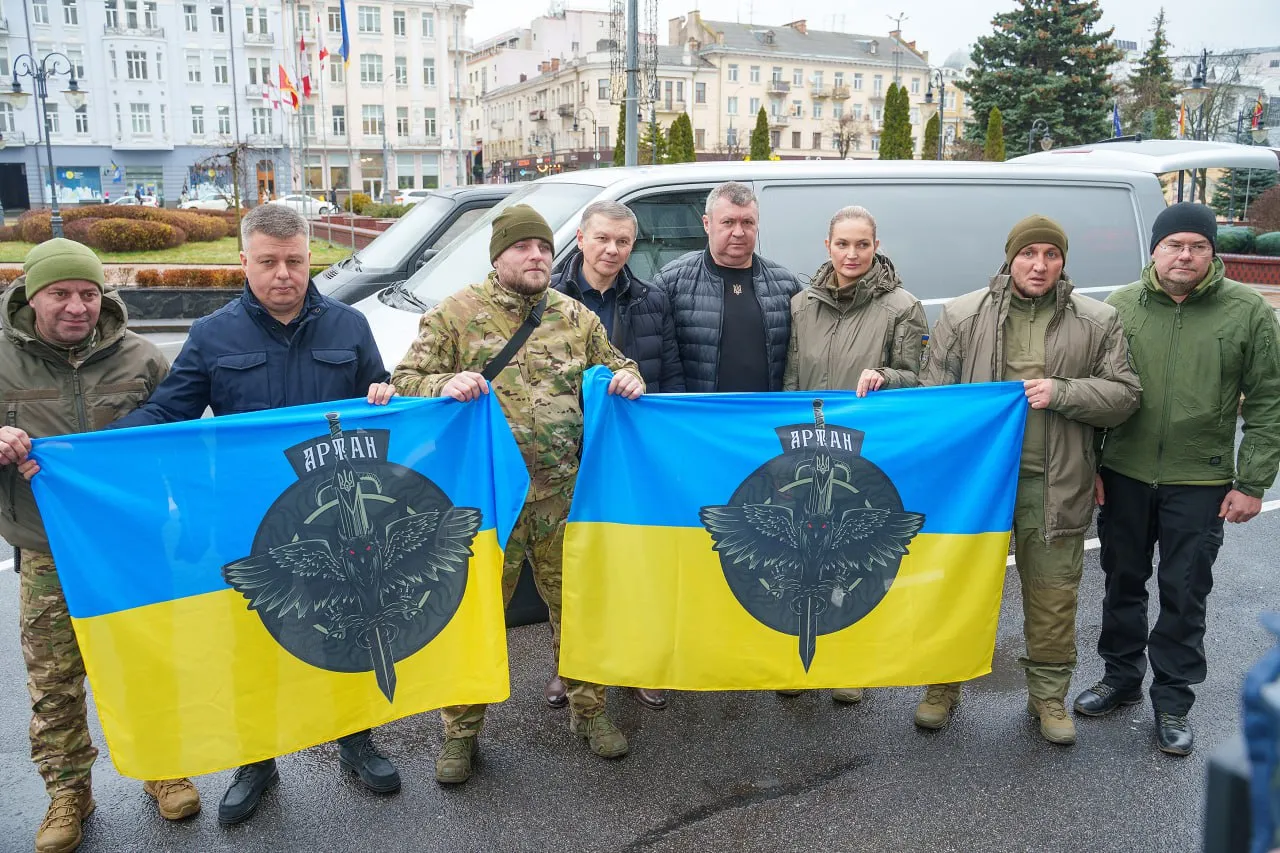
(1168, 371)
(77, 391)
(10, 474)
(1054, 320)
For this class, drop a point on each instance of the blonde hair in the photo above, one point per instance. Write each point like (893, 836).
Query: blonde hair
(853, 211)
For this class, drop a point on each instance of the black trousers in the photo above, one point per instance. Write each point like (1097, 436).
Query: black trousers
(1184, 521)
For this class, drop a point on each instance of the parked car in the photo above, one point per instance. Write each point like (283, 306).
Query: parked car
(305, 204)
(411, 196)
(209, 201)
(410, 242)
(943, 223)
(127, 200)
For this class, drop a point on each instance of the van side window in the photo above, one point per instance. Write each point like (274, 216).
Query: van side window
(462, 223)
(669, 226)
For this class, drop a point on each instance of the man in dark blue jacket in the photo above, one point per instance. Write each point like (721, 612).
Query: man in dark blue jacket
(732, 308)
(280, 344)
(637, 317)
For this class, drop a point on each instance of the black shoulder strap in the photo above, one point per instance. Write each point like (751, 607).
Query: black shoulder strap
(502, 359)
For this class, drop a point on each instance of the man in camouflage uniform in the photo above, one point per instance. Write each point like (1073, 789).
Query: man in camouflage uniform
(539, 391)
(67, 364)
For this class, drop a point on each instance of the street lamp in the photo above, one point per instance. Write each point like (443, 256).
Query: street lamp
(1194, 98)
(936, 74)
(51, 65)
(595, 130)
(1039, 130)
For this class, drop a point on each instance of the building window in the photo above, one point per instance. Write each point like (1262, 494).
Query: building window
(190, 19)
(40, 11)
(224, 121)
(220, 70)
(775, 139)
(70, 13)
(52, 124)
(308, 116)
(135, 63)
(260, 72)
(915, 85)
(817, 141)
(398, 27)
(429, 121)
(795, 139)
(699, 138)
(797, 109)
(776, 74)
(428, 72)
(402, 71)
(875, 143)
(339, 121)
(731, 138)
(115, 72)
(197, 121)
(857, 112)
(837, 111)
(731, 106)
(75, 54)
(369, 19)
(219, 18)
(150, 17)
(733, 74)
(797, 77)
(754, 75)
(159, 65)
(140, 114)
(334, 15)
(755, 106)
(130, 14)
(6, 118)
(877, 85)
(428, 25)
(113, 15)
(119, 126)
(857, 82)
(193, 68)
(371, 115)
(370, 68)
(699, 93)
(337, 71)
(839, 81)
(402, 121)
(603, 140)
(817, 79)
(304, 21)
(602, 89)
(817, 109)
(1275, 63)
(261, 121)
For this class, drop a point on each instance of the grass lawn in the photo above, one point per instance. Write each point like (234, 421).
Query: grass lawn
(217, 252)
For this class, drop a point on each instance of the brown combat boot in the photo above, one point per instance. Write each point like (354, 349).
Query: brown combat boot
(175, 798)
(1055, 723)
(60, 832)
(934, 710)
(847, 695)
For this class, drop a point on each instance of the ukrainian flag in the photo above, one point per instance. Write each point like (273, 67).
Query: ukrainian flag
(790, 540)
(247, 586)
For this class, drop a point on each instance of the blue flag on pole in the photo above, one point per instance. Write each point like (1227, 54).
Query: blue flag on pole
(1115, 119)
(246, 586)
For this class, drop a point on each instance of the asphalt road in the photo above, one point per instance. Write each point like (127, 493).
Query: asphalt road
(729, 771)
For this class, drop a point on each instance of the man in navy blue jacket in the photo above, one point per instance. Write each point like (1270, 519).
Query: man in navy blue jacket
(637, 317)
(280, 344)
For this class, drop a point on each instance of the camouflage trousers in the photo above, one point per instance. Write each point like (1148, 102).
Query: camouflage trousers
(60, 744)
(1050, 575)
(538, 536)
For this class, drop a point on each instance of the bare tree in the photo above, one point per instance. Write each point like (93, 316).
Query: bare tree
(847, 131)
(234, 160)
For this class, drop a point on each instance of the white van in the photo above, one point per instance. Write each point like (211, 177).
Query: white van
(943, 223)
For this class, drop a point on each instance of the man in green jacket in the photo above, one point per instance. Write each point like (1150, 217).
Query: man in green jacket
(67, 364)
(1070, 354)
(1198, 341)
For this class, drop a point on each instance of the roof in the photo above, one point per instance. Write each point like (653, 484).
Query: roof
(790, 42)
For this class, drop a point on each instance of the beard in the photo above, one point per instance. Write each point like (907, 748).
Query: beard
(1179, 288)
(528, 283)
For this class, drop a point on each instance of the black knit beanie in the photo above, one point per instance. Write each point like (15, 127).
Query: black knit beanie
(1185, 218)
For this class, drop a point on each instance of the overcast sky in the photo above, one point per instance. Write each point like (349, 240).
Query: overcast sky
(942, 26)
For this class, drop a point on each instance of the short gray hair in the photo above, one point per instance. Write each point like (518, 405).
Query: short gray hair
(853, 211)
(615, 210)
(274, 220)
(735, 192)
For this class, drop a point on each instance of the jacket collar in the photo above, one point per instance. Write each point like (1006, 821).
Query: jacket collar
(18, 320)
(566, 281)
(1211, 281)
(882, 278)
(508, 300)
(710, 264)
(312, 305)
(1001, 287)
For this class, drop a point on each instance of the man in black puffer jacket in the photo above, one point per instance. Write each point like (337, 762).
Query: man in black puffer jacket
(732, 308)
(637, 317)
(636, 314)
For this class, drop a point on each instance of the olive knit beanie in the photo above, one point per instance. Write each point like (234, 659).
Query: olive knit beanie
(1035, 229)
(61, 259)
(516, 223)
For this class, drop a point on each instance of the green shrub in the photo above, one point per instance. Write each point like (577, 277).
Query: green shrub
(1235, 240)
(123, 235)
(386, 211)
(78, 229)
(199, 227)
(1267, 244)
(9, 234)
(357, 202)
(8, 276)
(33, 226)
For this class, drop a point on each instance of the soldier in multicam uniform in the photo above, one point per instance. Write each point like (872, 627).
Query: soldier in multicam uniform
(67, 364)
(539, 391)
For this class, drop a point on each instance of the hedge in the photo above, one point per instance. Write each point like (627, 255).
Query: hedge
(33, 226)
(122, 235)
(385, 211)
(1267, 244)
(8, 276)
(357, 202)
(78, 229)
(190, 277)
(1235, 240)
(9, 234)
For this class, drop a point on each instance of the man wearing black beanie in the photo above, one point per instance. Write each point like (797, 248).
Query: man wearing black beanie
(1198, 342)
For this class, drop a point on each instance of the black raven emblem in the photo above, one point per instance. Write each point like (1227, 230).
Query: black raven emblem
(365, 583)
(810, 556)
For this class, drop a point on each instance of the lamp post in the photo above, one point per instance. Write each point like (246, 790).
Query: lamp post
(1039, 130)
(52, 65)
(595, 131)
(1257, 136)
(1193, 98)
(936, 74)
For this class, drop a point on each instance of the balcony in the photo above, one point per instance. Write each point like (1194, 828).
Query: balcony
(264, 140)
(779, 121)
(418, 140)
(134, 32)
(13, 139)
(877, 95)
(840, 93)
(777, 87)
(676, 107)
(259, 38)
(537, 115)
(141, 142)
(565, 110)
(820, 92)
(466, 92)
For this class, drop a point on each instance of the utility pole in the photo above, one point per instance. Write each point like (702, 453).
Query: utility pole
(457, 104)
(897, 45)
(632, 102)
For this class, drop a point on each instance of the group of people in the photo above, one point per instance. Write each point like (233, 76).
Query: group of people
(1132, 407)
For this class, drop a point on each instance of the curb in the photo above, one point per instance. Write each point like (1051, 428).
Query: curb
(144, 327)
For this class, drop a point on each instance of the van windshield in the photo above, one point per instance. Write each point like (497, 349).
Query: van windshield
(394, 245)
(466, 259)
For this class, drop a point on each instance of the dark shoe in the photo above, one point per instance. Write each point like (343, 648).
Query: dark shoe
(1173, 734)
(655, 699)
(247, 788)
(358, 754)
(453, 765)
(557, 693)
(788, 694)
(1102, 699)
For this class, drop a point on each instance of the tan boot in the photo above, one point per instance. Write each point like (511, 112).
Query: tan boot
(60, 832)
(934, 710)
(604, 738)
(847, 695)
(1055, 723)
(175, 798)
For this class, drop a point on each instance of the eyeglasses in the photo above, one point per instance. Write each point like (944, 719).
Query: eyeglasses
(1197, 250)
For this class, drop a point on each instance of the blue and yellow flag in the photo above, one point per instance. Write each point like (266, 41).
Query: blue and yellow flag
(246, 586)
(752, 541)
